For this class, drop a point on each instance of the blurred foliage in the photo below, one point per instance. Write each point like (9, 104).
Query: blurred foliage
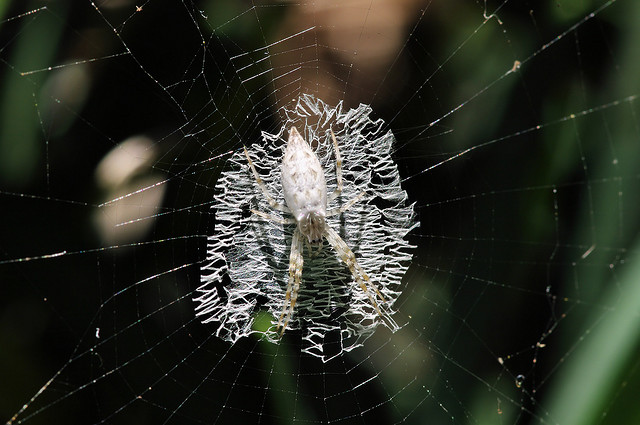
(473, 294)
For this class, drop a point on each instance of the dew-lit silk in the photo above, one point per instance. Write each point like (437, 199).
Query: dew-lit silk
(249, 257)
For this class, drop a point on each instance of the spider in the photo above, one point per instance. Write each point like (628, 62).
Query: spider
(305, 194)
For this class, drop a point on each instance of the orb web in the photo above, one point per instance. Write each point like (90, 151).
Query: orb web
(516, 129)
(248, 257)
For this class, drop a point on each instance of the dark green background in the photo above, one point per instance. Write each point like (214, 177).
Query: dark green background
(498, 287)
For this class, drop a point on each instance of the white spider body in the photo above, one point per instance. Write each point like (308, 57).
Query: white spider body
(305, 193)
(304, 187)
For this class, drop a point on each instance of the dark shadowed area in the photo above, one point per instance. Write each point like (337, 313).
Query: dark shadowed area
(517, 136)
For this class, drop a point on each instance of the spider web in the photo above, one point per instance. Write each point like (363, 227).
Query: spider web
(260, 267)
(514, 129)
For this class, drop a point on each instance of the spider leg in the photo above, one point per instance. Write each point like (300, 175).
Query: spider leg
(338, 190)
(347, 256)
(271, 217)
(275, 205)
(336, 211)
(295, 273)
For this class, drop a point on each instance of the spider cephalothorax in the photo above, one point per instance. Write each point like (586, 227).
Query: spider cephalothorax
(305, 194)
(312, 227)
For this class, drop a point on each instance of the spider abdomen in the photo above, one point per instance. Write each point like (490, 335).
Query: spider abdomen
(303, 181)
